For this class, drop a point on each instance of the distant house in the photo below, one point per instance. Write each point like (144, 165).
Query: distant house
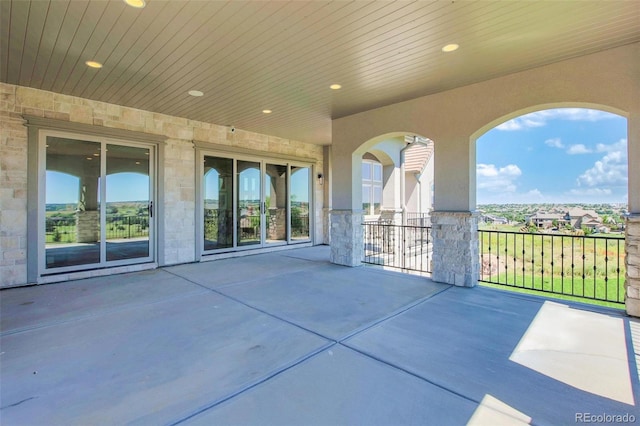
(575, 217)
(494, 220)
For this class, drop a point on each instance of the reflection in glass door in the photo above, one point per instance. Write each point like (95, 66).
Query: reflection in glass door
(248, 204)
(300, 202)
(79, 228)
(72, 202)
(249, 213)
(128, 202)
(275, 200)
(218, 203)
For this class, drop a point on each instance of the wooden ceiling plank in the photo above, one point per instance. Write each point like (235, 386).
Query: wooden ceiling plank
(310, 51)
(276, 34)
(135, 45)
(5, 24)
(35, 27)
(50, 33)
(79, 52)
(315, 68)
(172, 59)
(158, 49)
(19, 23)
(72, 21)
(228, 48)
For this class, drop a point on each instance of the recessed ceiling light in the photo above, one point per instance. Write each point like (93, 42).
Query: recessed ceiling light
(96, 155)
(335, 87)
(195, 93)
(93, 64)
(89, 158)
(266, 111)
(138, 4)
(450, 47)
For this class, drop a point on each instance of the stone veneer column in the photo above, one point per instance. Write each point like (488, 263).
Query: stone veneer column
(326, 226)
(87, 226)
(455, 248)
(347, 237)
(632, 263)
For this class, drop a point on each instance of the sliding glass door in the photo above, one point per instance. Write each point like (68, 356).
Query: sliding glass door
(250, 203)
(97, 203)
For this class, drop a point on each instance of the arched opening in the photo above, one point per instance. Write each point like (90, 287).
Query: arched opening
(552, 196)
(393, 179)
(397, 175)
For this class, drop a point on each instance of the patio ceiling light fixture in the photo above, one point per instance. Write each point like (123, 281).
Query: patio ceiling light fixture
(335, 87)
(266, 111)
(93, 64)
(450, 47)
(138, 4)
(195, 93)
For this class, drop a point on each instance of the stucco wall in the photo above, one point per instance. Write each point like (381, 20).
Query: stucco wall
(456, 118)
(178, 169)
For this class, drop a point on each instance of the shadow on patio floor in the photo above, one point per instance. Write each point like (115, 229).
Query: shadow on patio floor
(288, 338)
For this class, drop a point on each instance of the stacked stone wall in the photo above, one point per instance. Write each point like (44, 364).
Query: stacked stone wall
(347, 237)
(632, 263)
(13, 191)
(455, 248)
(178, 168)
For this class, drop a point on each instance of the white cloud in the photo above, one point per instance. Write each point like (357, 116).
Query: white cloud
(540, 118)
(554, 143)
(578, 149)
(493, 179)
(522, 122)
(610, 171)
(621, 145)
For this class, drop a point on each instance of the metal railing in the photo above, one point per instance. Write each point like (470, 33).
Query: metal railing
(586, 267)
(417, 219)
(64, 229)
(299, 223)
(122, 227)
(402, 247)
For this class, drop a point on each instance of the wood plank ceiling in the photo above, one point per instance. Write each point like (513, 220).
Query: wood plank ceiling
(247, 56)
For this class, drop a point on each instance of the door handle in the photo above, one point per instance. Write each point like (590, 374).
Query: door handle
(150, 208)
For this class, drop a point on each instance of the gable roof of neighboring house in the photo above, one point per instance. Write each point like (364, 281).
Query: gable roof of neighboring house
(417, 156)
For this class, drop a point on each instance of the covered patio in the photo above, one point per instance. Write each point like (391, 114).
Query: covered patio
(295, 339)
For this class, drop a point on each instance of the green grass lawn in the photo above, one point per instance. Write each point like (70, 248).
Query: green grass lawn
(584, 267)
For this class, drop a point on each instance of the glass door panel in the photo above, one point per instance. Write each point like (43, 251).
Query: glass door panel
(218, 203)
(275, 198)
(72, 202)
(128, 202)
(248, 217)
(300, 200)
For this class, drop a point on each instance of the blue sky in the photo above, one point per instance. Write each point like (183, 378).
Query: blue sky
(566, 155)
(62, 188)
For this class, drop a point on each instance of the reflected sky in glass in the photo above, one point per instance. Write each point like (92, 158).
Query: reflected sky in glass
(62, 188)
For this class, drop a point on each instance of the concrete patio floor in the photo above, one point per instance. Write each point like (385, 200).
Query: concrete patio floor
(287, 338)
